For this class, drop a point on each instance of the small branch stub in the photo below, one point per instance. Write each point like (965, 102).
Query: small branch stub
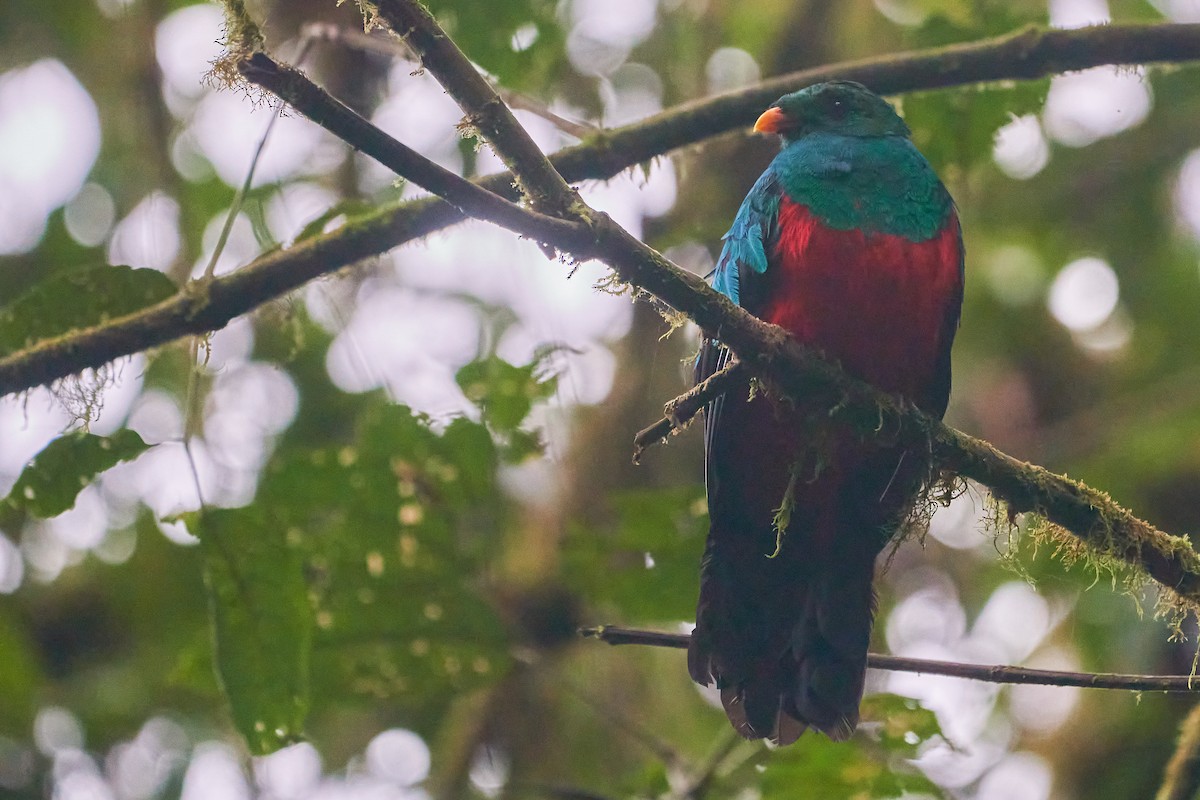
(679, 412)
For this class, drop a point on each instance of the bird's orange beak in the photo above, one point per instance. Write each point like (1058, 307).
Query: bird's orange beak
(773, 120)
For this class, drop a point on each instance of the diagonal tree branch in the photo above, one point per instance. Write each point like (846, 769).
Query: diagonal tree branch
(1026, 54)
(486, 112)
(767, 352)
(298, 91)
(773, 356)
(616, 635)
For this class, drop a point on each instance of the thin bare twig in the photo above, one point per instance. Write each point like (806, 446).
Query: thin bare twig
(359, 40)
(572, 127)
(393, 48)
(616, 635)
(698, 784)
(615, 716)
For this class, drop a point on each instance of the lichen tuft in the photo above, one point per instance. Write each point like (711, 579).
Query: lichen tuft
(242, 39)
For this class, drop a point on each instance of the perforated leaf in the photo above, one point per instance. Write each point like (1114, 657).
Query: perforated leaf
(262, 622)
(78, 299)
(50, 482)
(396, 529)
(873, 764)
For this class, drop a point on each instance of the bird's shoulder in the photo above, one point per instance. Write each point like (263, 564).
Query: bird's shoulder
(746, 245)
(879, 184)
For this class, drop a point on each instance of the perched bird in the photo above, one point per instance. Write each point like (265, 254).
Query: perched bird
(851, 243)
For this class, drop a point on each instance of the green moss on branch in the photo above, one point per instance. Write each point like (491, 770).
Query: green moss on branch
(607, 153)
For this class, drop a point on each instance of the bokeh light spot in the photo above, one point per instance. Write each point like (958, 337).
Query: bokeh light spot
(90, 215)
(49, 140)
(148, 237)
(1021, 150)
(731, 68)
(290, 773)
(12, 566)
(1187, 194)
(1086, 106)
(56, 729)
(400, 756)
(214, 774)
(186, 43)
(1021, 775)
(1179, 10)
(1078, 13)
(1084, 294)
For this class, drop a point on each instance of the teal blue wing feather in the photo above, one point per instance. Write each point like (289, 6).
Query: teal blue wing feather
(752, 236)
(743, 257)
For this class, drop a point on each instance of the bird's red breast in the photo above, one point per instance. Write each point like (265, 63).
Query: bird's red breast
(876, 302)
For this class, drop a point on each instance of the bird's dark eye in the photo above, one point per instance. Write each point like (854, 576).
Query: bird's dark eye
(837, 109)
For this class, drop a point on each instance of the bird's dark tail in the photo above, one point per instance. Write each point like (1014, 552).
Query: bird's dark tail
(784, 638)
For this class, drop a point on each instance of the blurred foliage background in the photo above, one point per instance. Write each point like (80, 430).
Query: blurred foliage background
(416, 473)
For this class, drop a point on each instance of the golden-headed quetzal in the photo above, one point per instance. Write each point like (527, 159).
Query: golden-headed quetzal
(851, 243)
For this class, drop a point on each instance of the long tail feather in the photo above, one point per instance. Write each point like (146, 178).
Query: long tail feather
(798, 664)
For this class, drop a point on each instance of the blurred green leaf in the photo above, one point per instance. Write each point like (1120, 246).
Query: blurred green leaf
(262, 622)
(644, 566)
(351, 208)
(504, 393)
(50, 483)
(19, 678)
(74, 300)
(394, 527)
(904, 724)
(57, 254)
(956, 128)
(523, 445)
(820, 769)
(950, 21)
(519, 41)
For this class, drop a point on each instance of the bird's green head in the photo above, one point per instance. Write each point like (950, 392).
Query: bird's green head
(842, 107)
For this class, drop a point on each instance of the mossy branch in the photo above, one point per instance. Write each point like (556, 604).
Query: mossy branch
(1089, 514)
(486, 112)
(291, 86)
(1026, 54)
(766, 351)
(773, 356)
(242, 38)
(615, 635)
